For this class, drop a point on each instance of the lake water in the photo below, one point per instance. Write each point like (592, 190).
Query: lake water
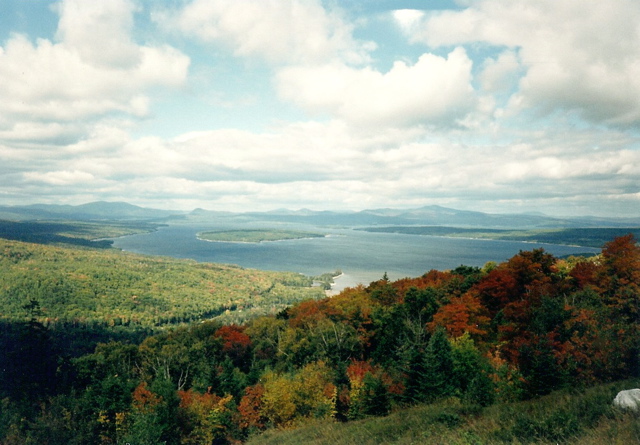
(361, 256)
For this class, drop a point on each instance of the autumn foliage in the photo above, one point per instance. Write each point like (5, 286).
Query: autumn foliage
(511, 331)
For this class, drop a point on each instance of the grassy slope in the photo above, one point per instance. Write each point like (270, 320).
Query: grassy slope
(575, 417)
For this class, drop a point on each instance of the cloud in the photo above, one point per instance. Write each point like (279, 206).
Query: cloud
(331, 165)
(500, 75)
(408, 19)
(579, 55)
(78, 78)
(433, 90)
(278, 31)
(319, 66)
(100, 32)
(446, 120)
(63, 177)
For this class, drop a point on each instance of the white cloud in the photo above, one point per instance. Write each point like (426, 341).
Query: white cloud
(579, 55)
(77, 79)
(442, 127)
(500, 75)
(63, 177)
(408, 19)
(279, 31)
(100, 32)
(433, 90)
(329, 165)
(318, 65)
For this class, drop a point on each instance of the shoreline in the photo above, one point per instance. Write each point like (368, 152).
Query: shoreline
(331, 291)
(258, 242)
(285, 236)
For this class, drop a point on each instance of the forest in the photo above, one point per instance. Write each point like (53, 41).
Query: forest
(151, 361)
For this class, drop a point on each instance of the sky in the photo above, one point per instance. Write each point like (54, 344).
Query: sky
(253, 105)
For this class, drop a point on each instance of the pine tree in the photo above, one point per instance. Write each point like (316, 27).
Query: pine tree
(375, 396)
(415, 391)
(438, 373)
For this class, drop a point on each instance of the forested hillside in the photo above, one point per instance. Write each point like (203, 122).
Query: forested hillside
(116, 288)
(469, 340)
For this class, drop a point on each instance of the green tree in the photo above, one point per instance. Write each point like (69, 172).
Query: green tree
(415, 379)
(438, 366)
(153, 416)
(375, 396)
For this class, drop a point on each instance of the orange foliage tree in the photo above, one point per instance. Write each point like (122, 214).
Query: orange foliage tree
(205, 418)
(250, 408)
(462, 314)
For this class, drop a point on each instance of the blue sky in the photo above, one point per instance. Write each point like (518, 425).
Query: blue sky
(519, 106)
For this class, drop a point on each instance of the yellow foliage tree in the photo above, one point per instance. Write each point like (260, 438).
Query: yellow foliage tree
(290, 398)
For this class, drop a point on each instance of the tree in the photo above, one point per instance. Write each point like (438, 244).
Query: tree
(497, 289)
(335, 341)
(467, 362)
(144, 422)
(368, 393)
(315, 393)
(230, 379)
(463, 314)
(375, 399)
(205, 418)
(439, 366)
(384, 293)
(236, 344)
(539, 366)
(278, 400)
(250, 409)
(415, 376)
(265, 333)
(29, 361)
(621, 260)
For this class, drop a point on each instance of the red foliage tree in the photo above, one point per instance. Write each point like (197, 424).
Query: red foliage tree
(235, 342)
(308, 313)
(621, 258)
(433, 278)
(462, 314)
(497, 289)
(585, 273)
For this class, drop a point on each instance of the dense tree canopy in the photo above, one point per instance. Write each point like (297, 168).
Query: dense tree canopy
(509, 331)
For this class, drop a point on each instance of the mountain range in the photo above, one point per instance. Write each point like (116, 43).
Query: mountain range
(428, 215)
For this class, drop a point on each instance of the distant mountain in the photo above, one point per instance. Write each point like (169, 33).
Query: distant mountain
(433, 215)
(430, 215)
(92, 211)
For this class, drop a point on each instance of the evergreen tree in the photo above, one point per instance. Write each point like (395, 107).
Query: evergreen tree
(415, 390)
(438, 371)
(376, 400)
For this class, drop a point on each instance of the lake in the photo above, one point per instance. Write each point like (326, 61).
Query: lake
(361, 256)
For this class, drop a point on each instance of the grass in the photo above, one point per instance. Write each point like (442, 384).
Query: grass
(563, 417)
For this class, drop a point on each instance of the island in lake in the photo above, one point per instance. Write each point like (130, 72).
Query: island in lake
(256, 235)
